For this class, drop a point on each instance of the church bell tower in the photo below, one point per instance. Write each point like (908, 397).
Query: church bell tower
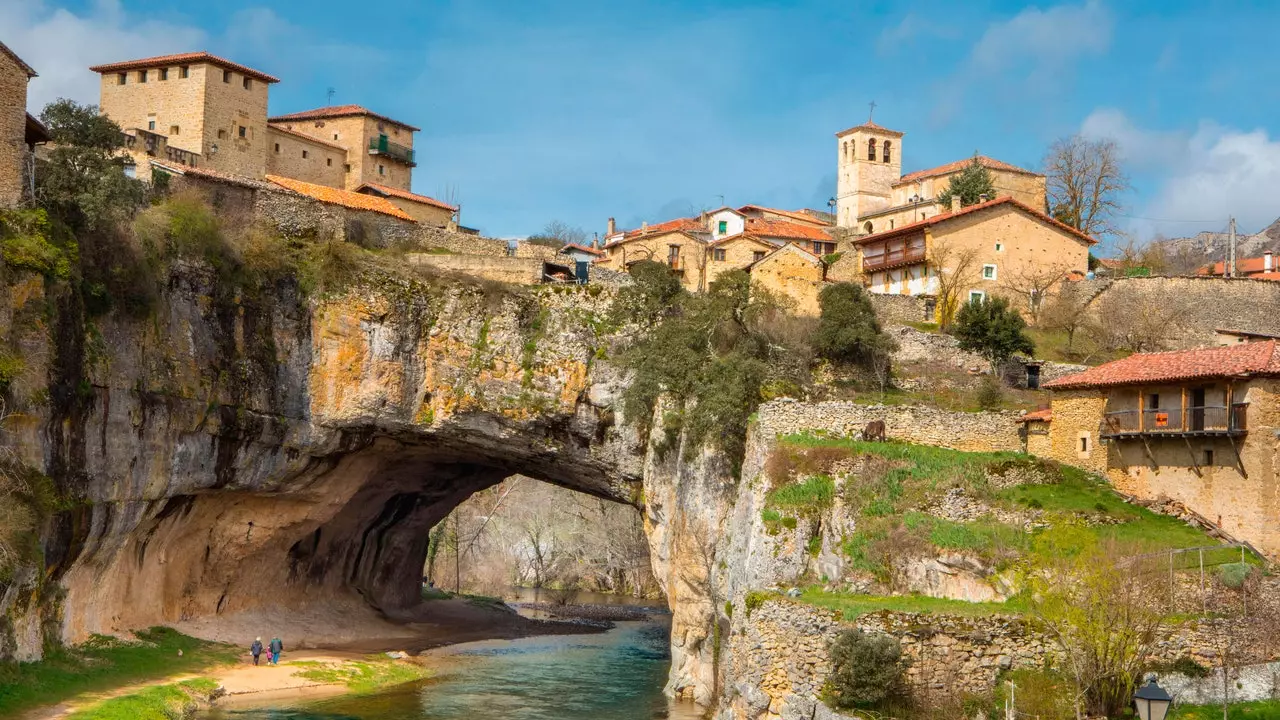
(870, 162)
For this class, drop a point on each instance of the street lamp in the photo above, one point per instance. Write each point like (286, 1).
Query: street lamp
(1152, 701)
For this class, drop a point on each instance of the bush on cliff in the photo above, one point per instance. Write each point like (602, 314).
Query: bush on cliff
(866, 670)
(848, 330)
(708, 354)
(993, 330)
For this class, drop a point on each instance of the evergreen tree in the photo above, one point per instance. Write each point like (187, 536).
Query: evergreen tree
(81, 181)
(848, 330)
(970, 185)
(993, 330)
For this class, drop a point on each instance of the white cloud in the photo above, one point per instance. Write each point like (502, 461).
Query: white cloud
(1044, 41)
(1207, 175)
(912, 27)
(61, 45)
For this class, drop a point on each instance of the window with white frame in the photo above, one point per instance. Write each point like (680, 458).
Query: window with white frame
(977, 296)
(999, 247)
(988, 272)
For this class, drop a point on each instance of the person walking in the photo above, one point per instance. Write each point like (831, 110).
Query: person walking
(256, 649)
(276, 647)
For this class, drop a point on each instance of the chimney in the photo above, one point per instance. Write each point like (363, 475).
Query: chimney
(955, 203)
(613, 228)
(644, 225)
(1267, 263)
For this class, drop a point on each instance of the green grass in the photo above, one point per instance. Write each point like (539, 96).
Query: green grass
(362, 677)
(161, 702)
(852, 606)
(104, 663)
(1261, 710)
(813, 494)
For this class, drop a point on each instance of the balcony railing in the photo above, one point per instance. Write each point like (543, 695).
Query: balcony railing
(901, 256)
(1204, 421)
(676, 263)
(382, 146)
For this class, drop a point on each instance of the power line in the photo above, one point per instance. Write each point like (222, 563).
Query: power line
(1138, 217)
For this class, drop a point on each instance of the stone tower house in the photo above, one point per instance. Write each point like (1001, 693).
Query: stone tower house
(870, 162)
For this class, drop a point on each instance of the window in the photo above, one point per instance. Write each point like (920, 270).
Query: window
(175, 130)
(673, 256)
(988, 272)
(871, 149)
(335, 136)
(346, 167)
(977, 296)
(1084, 443)
(222, 134)
(890, 224)
(184, 72)
(886, 154)
(142, 76)
(226, 76)
(382, 170)
(1208, 456)
(1153, 401)
(823, 248)
(868, 228)
(164, 73)
(724, 226)
(757, 256)
(151, 125)
(248, 83)
(277, 147)
(122, 78)
(243, 131)
(845, 152)
(999, 247)
(717, 254)
(328, 161)
(304, 154)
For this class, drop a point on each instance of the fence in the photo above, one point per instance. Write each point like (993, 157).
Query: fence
(1194, 560)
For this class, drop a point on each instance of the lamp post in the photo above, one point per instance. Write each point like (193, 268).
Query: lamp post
(915, 201)
(1152, 701)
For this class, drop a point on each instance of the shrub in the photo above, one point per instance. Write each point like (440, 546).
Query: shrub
(1233, 575)
(848, 330)
(866, 670)
(993, 330)
(990, 394)
(754, 600)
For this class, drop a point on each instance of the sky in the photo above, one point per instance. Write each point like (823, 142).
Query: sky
(581, 110)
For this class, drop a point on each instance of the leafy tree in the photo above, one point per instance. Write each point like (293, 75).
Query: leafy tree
(848, 330)
(970, 185)
(866, 670)
(993, 330)
(82, 180)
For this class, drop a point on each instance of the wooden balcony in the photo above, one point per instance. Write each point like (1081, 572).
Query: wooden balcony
(1203, 421)
(395, 151)
(892, 259)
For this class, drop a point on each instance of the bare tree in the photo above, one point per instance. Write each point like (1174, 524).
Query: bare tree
(1085, 181)
(955, 269)
(558, 234)
(1034, 283)
(1066, 312)
(1130, 321)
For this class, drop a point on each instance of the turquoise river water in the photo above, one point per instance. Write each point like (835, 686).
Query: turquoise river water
(617, 675)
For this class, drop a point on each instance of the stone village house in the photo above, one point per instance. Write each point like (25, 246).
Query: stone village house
(200, 110)
(19, 131)
(1195, 426)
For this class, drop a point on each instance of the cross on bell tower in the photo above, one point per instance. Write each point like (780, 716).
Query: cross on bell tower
(870, 162)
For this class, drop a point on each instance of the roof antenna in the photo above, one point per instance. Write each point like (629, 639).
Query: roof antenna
(871, 114)
(329, 96)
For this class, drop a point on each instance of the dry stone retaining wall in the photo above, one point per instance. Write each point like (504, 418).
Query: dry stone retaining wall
(924, 425)
(1195, 306)
(898, 309)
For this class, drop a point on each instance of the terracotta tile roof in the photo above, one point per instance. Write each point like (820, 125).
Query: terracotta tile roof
(785, 229)
(406, 195)
(989, 163)
(14, 56)
(305, 136)
(1248, 266)
(345, 198)
(1111, 263)
(207, 174)
(35, 131)
(944, 217)
(1239, 360)
(795, 214)
(582, 248)
(336, 111)
(184, 59)
(677, 225)
(1272, 276)
(783, 248)
(1043, 415)
(767, 242)
(868, 125)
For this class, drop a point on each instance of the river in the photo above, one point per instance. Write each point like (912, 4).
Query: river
(616, 675)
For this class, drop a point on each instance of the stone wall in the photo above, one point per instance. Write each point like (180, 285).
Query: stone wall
(541, 252)
(781, 657)
(1191, 308)
(519, 271)
(462, 243)
(981, 431)
(13, 124)
(294, 155)
(898, 309)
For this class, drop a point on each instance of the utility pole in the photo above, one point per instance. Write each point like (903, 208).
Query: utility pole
(1010, 706)
(1231, 248)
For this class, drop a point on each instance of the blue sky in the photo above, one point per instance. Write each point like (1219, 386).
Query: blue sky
(577, 110)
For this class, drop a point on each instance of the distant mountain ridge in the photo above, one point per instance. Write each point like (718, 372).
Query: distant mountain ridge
(1210, 247)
